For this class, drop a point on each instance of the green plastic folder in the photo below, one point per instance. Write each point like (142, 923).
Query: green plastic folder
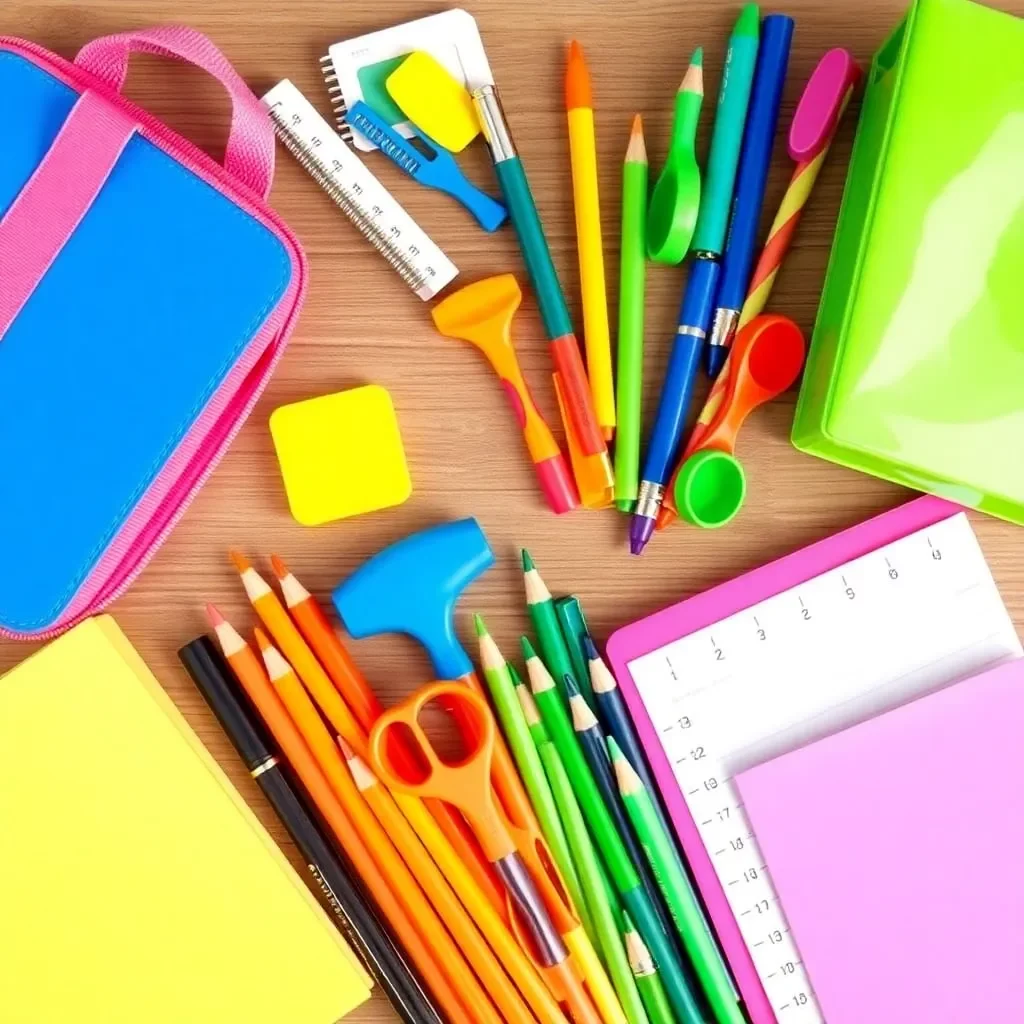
(916, 368)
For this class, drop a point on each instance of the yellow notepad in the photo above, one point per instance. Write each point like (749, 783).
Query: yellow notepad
(135, 884)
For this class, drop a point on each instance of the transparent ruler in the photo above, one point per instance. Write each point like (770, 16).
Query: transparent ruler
(376, 213)
(871, 635)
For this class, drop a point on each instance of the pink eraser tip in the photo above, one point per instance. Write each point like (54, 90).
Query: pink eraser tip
(821, 103)
(558, 485)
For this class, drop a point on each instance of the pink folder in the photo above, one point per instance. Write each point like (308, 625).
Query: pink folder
(679, 620)
(895, 848)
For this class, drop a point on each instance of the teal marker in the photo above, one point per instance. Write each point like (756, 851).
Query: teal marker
(727, 136)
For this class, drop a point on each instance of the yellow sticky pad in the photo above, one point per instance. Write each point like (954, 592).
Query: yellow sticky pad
(436, 103)
(341, 455)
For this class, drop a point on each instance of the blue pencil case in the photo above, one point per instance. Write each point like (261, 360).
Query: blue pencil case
(146, 293)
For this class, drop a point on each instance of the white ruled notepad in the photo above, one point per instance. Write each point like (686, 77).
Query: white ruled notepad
(906, 619)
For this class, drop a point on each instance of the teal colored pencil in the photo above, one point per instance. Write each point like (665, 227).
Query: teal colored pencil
(632, 274)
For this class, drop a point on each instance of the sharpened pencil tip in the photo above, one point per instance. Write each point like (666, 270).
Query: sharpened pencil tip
(698, 57)
(347, 752)
(590, 647)
(262, 640)
(528, 565)
(478, 623)
(636, 151)
(571, 689)
(528, 651)
(614, 750)
(693, 80)
(280, 569)
(514, 675)
(214, 617)
(241, 563)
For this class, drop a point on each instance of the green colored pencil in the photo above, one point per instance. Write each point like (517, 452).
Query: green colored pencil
(607, 840)
(594, 883)
(524, 751)
(630, 370)
(648, 981)
(541, 606)
(686, 913)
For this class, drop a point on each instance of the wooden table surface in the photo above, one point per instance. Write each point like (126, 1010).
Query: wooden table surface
(361, 324)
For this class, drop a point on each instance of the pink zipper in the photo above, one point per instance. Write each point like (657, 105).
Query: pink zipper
(205, 444)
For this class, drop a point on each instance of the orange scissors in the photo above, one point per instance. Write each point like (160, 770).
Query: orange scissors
(466, 784)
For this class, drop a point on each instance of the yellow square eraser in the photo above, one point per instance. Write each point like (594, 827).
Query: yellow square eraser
(340, 455)
(436, 103)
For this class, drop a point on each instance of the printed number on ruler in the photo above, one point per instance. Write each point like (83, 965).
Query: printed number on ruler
(377, 214)
(836, 650)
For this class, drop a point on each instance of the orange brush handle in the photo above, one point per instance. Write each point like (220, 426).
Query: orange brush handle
(254, 681)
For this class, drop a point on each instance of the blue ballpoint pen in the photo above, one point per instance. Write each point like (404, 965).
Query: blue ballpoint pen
(694, 318)
(699, 298)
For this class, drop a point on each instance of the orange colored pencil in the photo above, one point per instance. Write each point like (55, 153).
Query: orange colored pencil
(463, 930)
(327, 646)
(249, 671)
(329, 673)
(325, 750)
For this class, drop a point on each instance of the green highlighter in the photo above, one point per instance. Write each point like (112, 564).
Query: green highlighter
(727, 137)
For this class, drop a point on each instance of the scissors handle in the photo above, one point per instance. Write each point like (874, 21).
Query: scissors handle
(465, 784)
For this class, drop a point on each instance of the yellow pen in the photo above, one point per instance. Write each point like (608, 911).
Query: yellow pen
(583, 152)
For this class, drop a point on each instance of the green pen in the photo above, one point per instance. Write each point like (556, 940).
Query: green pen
(635, 900)
(678, 895)
(573, 625)
(541, 606)
(503, 695)
(597, 889)
(632, 277)
(727, 135)
(648, 982)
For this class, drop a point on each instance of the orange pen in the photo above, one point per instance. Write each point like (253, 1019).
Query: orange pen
(251, 675)
(464, 931)
(296, 651)
(325, 750)
(467, 785)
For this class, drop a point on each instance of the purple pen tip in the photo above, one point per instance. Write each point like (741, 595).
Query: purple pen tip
(640, 531)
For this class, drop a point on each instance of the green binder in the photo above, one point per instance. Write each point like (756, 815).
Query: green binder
(916, 368)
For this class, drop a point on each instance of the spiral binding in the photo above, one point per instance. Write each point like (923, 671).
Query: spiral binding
(370, 230)
(338, 104)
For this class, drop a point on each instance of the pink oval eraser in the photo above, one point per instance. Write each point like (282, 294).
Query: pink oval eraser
(821, 103)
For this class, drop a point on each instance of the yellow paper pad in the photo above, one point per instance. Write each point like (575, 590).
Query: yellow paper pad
(135, 884)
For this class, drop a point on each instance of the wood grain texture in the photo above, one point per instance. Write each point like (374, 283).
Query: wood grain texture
(361, 324)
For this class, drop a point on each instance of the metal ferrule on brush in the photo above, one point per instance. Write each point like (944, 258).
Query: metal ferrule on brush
(648, 499)
(493, 123)
(723, 329)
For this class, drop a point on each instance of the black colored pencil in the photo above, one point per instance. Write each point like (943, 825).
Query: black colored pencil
(336, 884)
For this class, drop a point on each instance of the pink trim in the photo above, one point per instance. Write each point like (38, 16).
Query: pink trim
(170, 494)
(688, 616)
(250, 150)
(57, 196)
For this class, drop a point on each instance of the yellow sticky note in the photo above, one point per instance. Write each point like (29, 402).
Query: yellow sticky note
(135, 884)
(435, 102)
(341, 455)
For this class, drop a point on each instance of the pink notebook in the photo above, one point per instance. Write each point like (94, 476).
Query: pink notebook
(895, 847)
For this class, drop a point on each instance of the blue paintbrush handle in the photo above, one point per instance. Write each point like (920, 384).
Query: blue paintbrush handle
(436, 169)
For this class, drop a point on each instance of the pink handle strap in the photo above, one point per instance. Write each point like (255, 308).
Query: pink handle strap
(250, 150)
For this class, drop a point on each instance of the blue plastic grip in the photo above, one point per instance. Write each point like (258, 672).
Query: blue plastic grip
(412, 587)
